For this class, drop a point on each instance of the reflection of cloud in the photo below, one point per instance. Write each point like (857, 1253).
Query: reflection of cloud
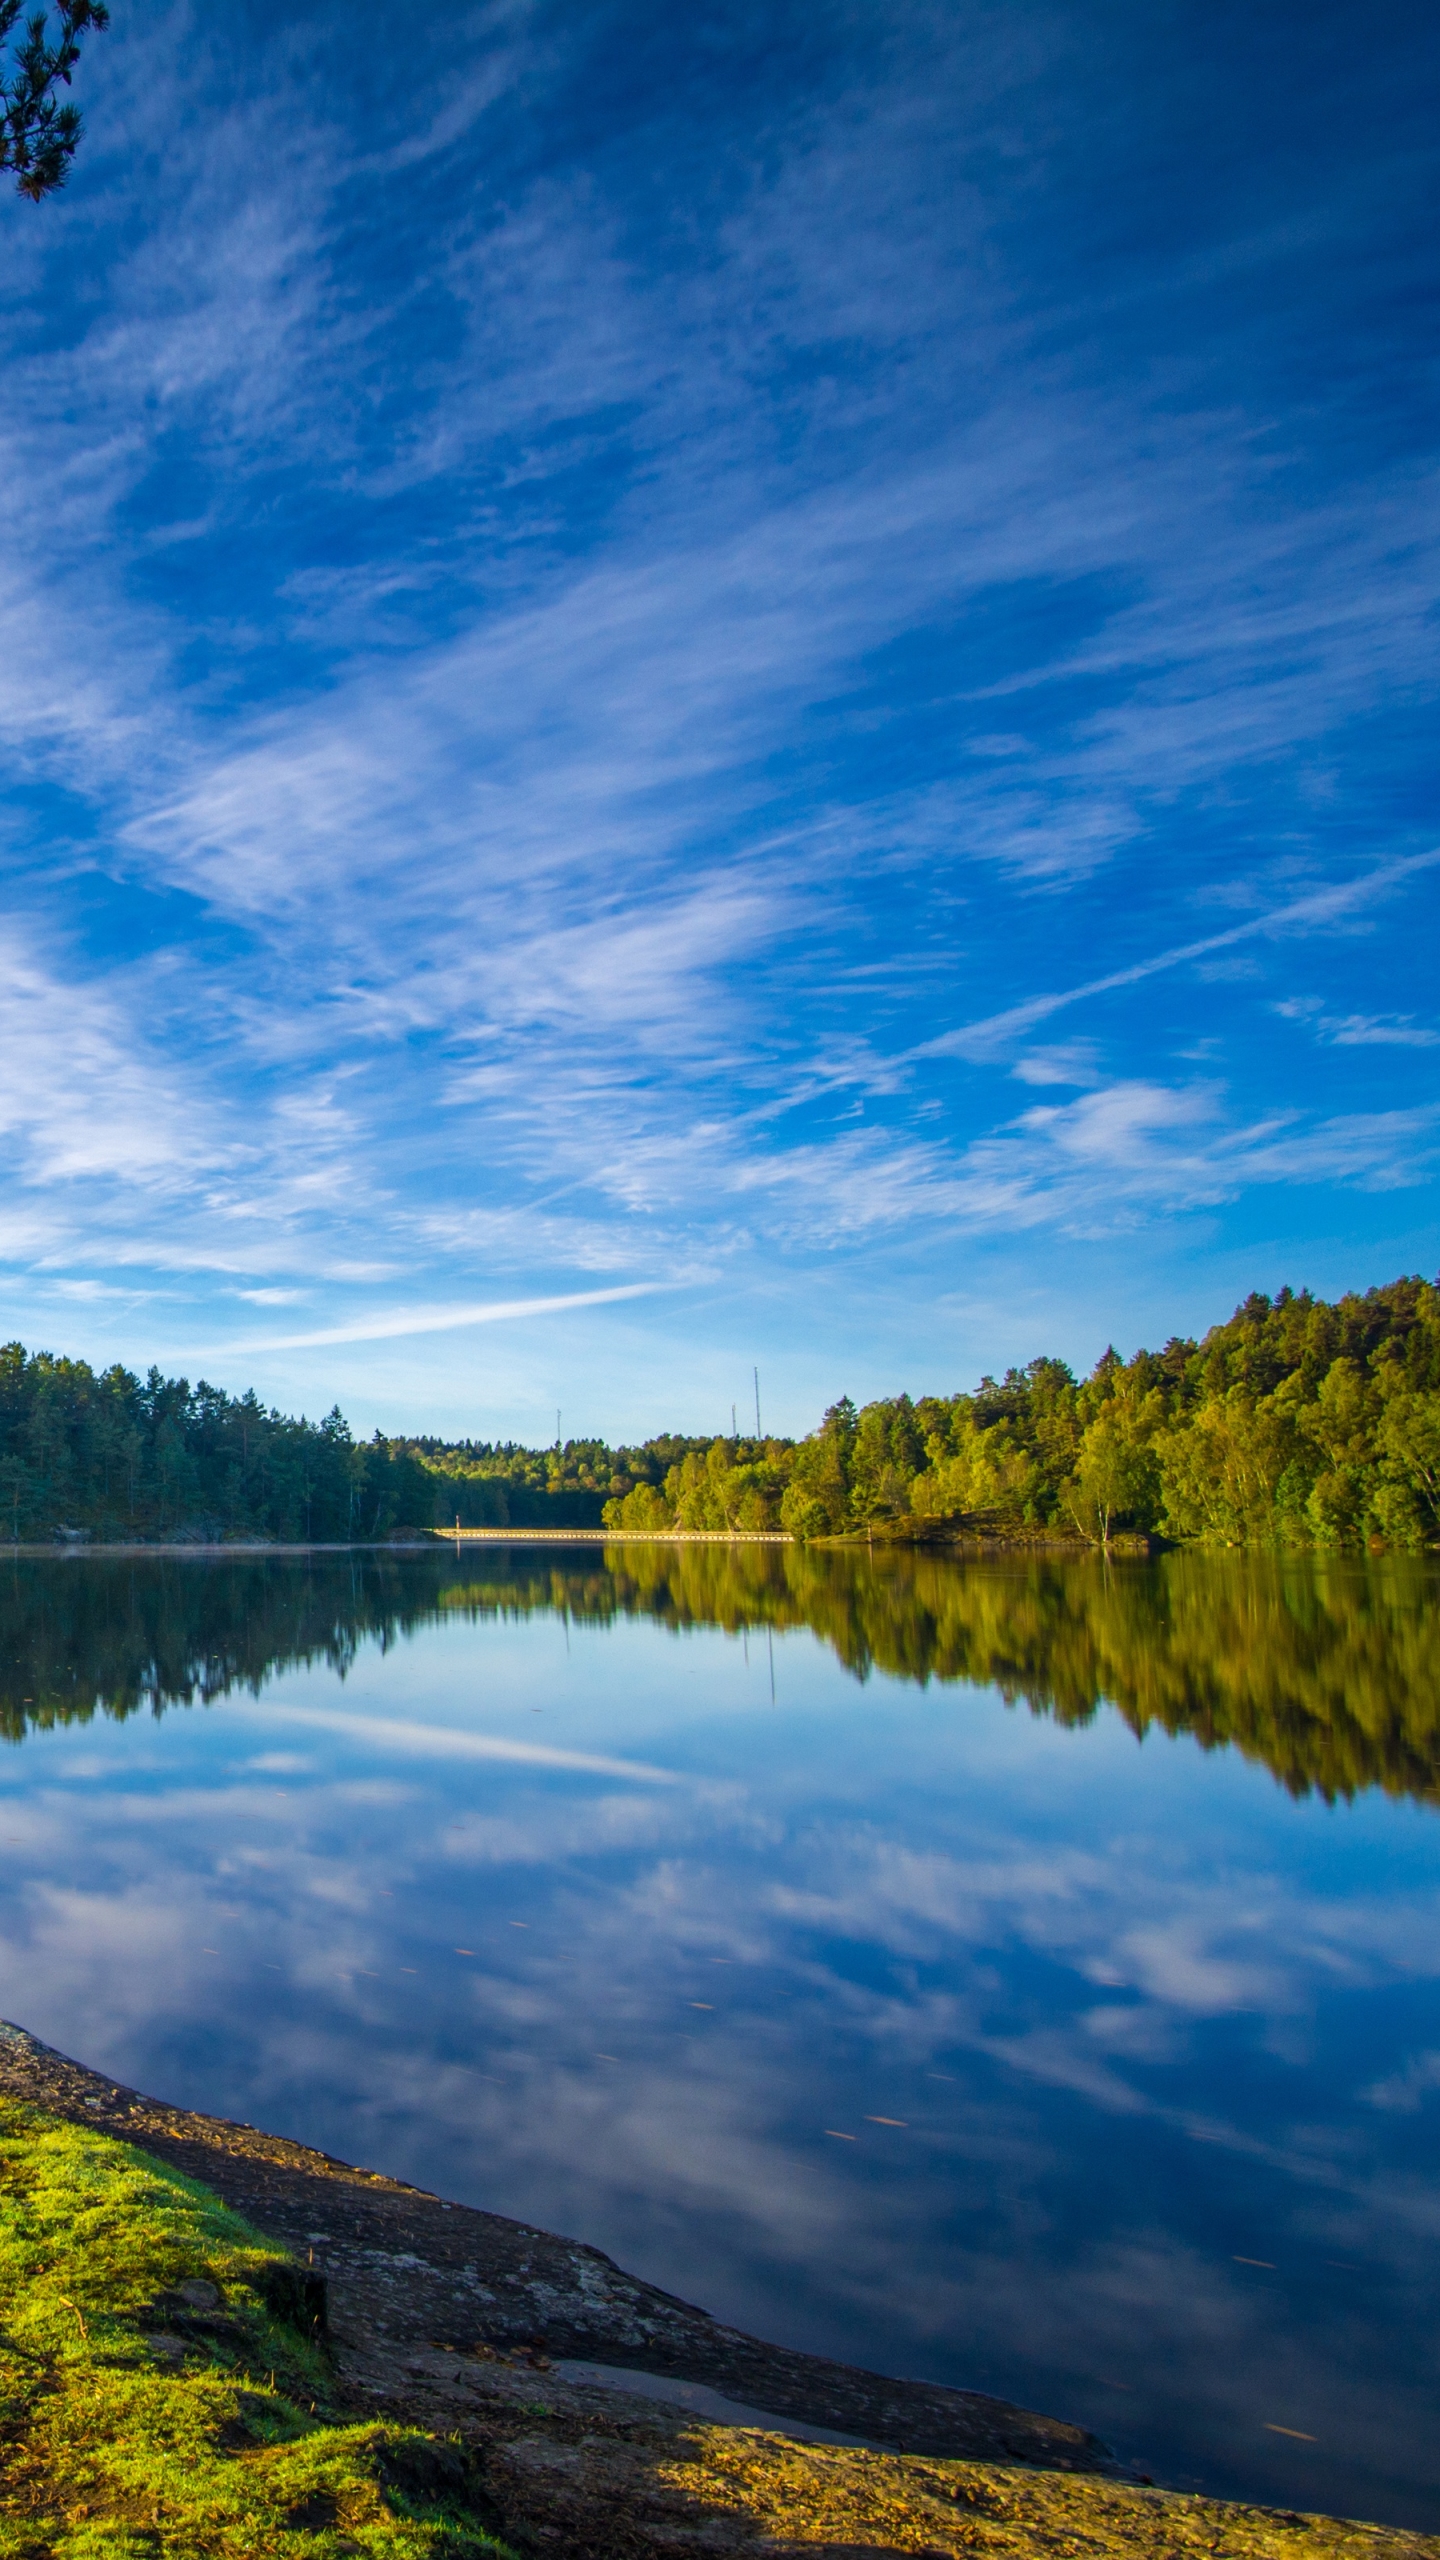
(453, 1742)
(1173, 1963)
(567, 1829)
(1140, 2034)
(1057, 2055)
(924, 1922)
(879, 1888)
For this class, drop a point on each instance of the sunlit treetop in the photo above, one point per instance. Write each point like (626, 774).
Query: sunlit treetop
(38, 136)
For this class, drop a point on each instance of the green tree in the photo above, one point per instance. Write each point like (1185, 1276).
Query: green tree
(1116, 1483)
(819, 1488)
(1222, 1467)
(642, 1508)
(1406, 1496)
(39, 136)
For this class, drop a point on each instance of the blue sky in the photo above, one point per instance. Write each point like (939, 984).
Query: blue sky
(755, 685)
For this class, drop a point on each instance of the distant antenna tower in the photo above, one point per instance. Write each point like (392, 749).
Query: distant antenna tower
(734, 1427)
(758, 1433)
(557, 1426)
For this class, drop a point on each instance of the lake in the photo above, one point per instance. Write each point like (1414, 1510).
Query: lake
(1020, 1973)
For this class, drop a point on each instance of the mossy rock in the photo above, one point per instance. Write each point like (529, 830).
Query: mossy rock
(162, 2392)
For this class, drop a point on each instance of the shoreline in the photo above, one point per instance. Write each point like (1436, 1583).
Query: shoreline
(427, 1541)
(71, 1548)
(660, 2434)
(471, 2275)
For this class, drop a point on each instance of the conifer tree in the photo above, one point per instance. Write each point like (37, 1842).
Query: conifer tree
(38, 136)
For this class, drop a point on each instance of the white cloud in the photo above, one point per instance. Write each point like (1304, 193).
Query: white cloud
(1317, 908)
(80, 1097)
(1358, 1030)
(1072, 1063)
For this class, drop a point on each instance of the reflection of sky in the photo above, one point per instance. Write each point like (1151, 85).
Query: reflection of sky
(887, 2021)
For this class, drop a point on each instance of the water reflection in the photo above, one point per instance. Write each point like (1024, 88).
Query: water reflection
(1327, 1671)
(866, 2007)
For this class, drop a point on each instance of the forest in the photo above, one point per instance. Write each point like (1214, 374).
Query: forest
(1296, 1423)
(115, 1457)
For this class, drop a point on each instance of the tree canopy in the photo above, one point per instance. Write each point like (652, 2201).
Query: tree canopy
(1294, 1424)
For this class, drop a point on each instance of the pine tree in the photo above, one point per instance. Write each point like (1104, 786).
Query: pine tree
(38, 137)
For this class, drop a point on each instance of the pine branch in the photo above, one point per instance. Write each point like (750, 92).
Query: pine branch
(39, 136)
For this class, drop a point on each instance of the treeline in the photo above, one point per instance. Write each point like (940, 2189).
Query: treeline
(118, 1457)
(1297, 1423)
(499, 1484)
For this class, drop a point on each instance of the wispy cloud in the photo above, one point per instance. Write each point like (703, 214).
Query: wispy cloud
(1358, 1030)
(534, 676)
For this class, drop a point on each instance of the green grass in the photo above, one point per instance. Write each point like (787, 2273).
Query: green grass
(141, 2423)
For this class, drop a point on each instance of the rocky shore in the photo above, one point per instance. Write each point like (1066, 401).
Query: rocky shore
(412, 2272)
(586, 2415)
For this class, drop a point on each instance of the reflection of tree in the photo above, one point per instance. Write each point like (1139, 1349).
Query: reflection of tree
(1327, 1670)
(103, 1635)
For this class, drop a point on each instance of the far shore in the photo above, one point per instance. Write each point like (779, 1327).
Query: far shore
(892, 1535)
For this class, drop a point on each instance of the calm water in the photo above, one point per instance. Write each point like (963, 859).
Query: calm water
(1022, 1975)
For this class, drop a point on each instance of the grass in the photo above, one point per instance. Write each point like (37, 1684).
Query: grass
(159, 2399)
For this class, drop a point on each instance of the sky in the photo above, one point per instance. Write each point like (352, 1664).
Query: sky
(698, 691)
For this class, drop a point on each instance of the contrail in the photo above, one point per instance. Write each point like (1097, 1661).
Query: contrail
(402, 1320)
(978, 1037)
